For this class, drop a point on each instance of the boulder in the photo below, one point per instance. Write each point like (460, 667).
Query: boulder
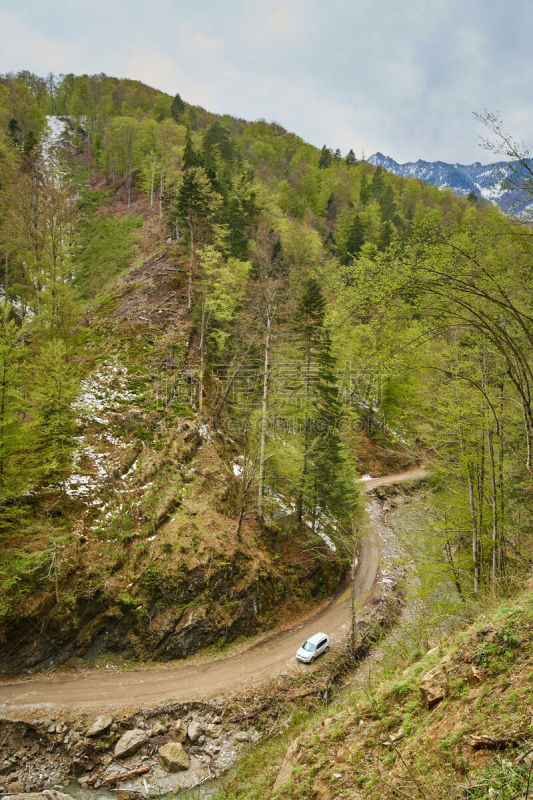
(194, 730)
(213, 731)
(179, 730)
(159, 729)
(130, 742)
(99, 726)
(288, 765)
(173, 757)
(434, 686)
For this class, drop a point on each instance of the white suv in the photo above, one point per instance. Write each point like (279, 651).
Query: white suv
(313, 647)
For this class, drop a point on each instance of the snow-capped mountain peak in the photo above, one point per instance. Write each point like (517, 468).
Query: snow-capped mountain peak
(488, 181)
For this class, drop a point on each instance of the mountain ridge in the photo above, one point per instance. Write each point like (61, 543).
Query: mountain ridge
(487, 181)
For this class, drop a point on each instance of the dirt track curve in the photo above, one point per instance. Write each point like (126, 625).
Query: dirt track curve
(102, 689)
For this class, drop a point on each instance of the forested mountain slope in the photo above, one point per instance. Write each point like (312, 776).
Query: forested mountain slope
(208, 327)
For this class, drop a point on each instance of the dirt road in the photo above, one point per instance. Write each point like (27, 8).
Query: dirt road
(102, 689)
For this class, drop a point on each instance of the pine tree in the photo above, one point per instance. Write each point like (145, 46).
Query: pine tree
(338, 155)
(55, 426)
(196, 205)
(329, 476)
(240, 214)
(190, 157)
(14, 471)
(377, 184)
(364, 191)
(355, 238)
(387, 204)
(351, 160)
(325, 158)
(385, 236)
(308, 324)
(177, 108)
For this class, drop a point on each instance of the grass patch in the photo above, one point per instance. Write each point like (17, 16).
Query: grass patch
(105, 250)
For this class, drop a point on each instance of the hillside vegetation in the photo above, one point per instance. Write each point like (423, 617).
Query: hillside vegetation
(208, 328)
(454, 722)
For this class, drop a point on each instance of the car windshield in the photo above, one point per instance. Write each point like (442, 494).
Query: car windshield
(309, 646)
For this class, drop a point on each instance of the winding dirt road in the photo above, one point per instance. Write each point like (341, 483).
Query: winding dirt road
(102, 689)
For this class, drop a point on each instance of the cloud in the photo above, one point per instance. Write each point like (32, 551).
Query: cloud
(201, 44)
(155, 69)
(377, 74)
(23, 47)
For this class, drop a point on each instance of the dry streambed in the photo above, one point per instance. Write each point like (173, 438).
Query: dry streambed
(147, 753)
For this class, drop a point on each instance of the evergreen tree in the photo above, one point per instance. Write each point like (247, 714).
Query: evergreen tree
(240, 214)
(217, 140)
(308, 324)
(190, 157)
(14, 130)
(338, 155)
(385, 236)
(55, 425)
(329, 475)
(377, 184)
(387, 204)
(177, 108)
(14, 473)
(355, 238)
(196, 205)
(364, 191)
(325, 158)
(351, 160)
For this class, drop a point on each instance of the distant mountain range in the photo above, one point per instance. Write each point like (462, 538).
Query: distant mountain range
(486, 180)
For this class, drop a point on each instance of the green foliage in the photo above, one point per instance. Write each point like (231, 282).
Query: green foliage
(496, 655)
(223, 288)
(391, 305)
(501, 779)
(326, 158)
(105, 248)
(14, 478)
(351, 160)
(190, 158)
(55, 427)
(177, 108)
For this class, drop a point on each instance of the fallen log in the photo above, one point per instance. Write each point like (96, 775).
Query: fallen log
(123, 775)
(494, 742)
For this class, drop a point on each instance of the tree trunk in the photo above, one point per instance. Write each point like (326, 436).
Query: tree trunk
(264, 417)
(191, 263)
(501, 491)
(306, 428)
(152, 183)
(128, 175)
(201, 375)
(494, 498)
(528, 436)
(475, 533)
(161, 188)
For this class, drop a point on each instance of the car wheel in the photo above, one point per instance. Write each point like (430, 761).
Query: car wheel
(327, 649)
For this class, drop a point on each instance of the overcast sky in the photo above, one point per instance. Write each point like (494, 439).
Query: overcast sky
(400, 76)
